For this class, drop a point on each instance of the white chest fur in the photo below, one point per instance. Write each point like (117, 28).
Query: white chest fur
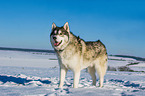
(70, 61)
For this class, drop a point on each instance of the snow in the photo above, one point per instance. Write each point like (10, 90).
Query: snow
(37, 74)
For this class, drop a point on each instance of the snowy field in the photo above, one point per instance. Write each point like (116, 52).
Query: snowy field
(37, 74)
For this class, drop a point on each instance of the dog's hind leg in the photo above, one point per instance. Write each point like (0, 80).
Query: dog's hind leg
(101, 71)
(101, 75)
(92, 71)
(63, 72)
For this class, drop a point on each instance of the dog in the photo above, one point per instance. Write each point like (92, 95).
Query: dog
(75, 54)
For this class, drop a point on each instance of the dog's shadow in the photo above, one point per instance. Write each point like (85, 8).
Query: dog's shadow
(19, 80)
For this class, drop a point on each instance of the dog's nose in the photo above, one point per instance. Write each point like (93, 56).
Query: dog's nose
(54, 38)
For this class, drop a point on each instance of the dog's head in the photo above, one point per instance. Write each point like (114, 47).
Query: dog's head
(60, 36)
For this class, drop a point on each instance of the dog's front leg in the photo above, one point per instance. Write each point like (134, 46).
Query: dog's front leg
(63, 72)
(76, 79)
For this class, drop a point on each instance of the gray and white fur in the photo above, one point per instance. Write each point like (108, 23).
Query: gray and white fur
(75, 54)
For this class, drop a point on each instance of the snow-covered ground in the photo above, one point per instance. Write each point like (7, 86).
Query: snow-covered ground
(37, 74)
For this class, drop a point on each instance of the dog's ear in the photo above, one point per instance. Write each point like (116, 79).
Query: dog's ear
(53, 26)
(66, 27)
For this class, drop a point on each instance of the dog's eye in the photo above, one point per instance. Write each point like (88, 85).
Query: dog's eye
(61, 34)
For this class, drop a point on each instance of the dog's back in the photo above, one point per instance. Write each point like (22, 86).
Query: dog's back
(95, 49)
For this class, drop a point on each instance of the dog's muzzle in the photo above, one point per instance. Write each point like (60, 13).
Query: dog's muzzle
(56, 42)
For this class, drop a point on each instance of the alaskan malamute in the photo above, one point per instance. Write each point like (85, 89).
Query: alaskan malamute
(75, 54)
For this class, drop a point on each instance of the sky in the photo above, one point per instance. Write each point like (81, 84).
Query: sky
(119, 24)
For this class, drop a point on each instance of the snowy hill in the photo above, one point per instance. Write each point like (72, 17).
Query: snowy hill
(37, 74)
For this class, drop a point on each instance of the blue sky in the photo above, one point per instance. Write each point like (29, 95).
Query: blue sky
(119, 24)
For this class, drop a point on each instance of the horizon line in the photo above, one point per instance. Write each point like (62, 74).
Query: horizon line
(52, 51)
